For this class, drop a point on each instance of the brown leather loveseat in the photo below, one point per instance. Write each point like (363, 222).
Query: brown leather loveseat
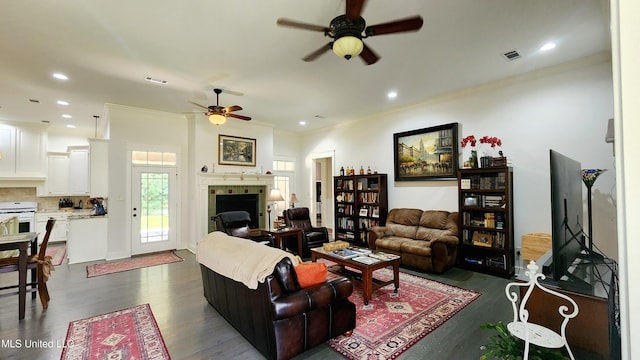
(426, 240)
(279, 318)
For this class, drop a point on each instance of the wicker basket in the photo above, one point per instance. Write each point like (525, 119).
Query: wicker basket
(335, 245)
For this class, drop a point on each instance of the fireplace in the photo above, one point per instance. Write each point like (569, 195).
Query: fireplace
(249, 198)
(240, 202)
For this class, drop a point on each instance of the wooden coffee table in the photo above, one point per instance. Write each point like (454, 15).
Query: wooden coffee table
(369, 283)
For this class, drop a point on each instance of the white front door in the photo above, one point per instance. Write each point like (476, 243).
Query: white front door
(153, 209)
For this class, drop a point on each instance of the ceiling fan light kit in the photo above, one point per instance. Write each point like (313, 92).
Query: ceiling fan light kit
(218, 114)
(348, 30)
(348, 47)
(217, 119)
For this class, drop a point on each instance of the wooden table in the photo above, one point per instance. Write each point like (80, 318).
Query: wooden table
(21, 242)
(278, 235)
(369, 283)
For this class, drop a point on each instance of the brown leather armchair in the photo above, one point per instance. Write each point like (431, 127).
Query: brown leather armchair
(236, 223)
(298, 218)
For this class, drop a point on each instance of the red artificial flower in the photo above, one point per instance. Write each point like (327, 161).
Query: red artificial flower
(493, 141)
(471, 140)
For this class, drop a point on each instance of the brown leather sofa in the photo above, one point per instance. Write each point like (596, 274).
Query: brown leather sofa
(425, 240)
(298, 218)
(279, 318)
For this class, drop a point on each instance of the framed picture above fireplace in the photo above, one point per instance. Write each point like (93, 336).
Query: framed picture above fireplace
(235, 150)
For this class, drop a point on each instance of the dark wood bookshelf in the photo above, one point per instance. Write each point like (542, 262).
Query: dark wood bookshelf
(485, 198)
(360, 204)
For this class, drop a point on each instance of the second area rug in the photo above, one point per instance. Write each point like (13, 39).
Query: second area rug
(135, 262)
(393, 322)
(130, 333)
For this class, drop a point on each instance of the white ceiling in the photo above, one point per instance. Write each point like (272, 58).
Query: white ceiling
(107, 48)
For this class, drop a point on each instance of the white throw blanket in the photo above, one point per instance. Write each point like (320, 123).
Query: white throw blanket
(240, 259)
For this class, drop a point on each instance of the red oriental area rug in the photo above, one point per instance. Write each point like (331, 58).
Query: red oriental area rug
(136, 262)
(58, 253)
(393, 322)
(124, 334)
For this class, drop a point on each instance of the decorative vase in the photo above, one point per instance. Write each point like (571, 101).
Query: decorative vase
(473, 159)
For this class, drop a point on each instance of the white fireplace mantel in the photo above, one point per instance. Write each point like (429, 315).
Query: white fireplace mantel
(207, 179)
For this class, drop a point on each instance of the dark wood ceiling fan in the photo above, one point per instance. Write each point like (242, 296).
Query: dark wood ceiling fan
(217, 114)
(348, 30)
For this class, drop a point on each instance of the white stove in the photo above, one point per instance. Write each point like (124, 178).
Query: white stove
(26, 212)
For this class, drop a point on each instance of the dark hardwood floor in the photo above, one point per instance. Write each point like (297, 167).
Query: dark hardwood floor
(192, 329)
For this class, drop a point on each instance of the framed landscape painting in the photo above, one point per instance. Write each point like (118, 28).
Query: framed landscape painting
(426, 154)
(235, 150)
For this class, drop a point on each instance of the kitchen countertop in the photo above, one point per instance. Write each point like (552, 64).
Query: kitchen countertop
(86, 215)
(73, 214)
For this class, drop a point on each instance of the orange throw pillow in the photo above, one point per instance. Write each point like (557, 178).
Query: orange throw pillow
(311, 273)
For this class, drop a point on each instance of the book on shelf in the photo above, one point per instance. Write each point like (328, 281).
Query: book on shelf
(499, 218)
(383, 256)
(497, 262)
(365, 260)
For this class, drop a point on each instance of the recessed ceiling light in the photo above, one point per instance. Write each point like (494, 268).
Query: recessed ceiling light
(71, 126)
(392, 95)
(67, 116)
(548, 46)
(62, 102)
(60, 76)
(302, 123)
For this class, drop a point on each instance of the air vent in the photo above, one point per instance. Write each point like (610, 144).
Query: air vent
(511, 55)
(157, 81)
(35, 101)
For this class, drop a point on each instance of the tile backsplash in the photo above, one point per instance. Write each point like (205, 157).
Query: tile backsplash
(18, 194)
(44, 203)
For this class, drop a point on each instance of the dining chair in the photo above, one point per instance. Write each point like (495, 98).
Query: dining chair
(40, 262)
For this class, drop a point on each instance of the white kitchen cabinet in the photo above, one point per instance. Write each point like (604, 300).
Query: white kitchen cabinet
(30, 152)
(98, 164)
(60, 229)
(57, 183)
(87, 239)
(78, 171)
(7, 150)
(67, 173)
(22, 152)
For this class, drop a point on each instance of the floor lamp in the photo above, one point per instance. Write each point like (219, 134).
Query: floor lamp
(589, 177)
(274, 195)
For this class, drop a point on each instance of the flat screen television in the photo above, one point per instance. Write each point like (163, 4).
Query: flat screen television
(566, 213)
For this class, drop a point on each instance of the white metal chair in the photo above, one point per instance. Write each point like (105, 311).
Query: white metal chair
(533, 333)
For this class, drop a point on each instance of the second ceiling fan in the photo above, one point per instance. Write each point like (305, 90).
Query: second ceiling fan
(218, 114)
(348, 30)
